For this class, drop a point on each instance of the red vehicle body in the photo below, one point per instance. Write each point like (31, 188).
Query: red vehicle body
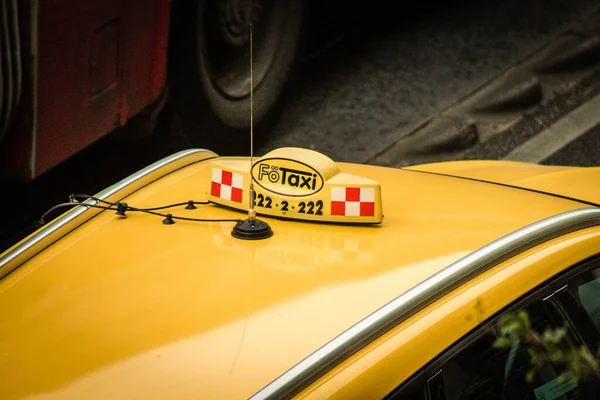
(72, 71)
(87, 68)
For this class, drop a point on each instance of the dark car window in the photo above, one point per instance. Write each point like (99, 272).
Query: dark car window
(580, 299)
(588, 293)
(481, 371)
(473, 369)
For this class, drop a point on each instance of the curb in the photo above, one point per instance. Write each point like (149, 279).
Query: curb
(538, 120)
(573, 55)
(438, 135)
(532, 86)
(513, 95)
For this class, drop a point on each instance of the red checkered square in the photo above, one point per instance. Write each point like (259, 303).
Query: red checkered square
(352, 194)
(367, 209)
(338, 208)
(226, 178)
(227, 185)
(352, 201)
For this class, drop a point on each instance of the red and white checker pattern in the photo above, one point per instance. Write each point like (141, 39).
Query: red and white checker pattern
(353, 202)
(227, 185)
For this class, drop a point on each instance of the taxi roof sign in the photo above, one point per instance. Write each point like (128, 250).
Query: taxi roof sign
(298, 184)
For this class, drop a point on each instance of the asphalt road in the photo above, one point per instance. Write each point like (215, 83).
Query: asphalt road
(393, 71)
(372, 80)
(583, 152)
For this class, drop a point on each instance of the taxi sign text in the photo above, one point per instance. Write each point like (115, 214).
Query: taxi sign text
(287, 177)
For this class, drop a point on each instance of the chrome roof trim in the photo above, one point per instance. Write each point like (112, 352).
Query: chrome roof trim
(407, 304)
(62, 220)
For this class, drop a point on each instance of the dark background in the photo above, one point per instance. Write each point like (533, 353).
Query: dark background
(371, 73)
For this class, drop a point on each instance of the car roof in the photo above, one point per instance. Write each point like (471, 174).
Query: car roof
(571, 182)
(188, 309)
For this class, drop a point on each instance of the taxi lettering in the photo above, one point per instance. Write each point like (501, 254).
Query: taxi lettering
(287, 177)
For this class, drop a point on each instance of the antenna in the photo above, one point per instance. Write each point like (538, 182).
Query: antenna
(251, 228)
(251, 211)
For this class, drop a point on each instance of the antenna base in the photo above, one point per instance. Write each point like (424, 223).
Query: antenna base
(251, 230)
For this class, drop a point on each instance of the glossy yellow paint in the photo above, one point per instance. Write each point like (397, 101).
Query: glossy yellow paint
(387, 362)
(573, 182)
(133, 308)
(57, 228)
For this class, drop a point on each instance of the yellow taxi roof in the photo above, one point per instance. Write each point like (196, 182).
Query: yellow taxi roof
(135, 308)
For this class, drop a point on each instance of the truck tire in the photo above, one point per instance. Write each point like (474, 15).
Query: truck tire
(209, 67)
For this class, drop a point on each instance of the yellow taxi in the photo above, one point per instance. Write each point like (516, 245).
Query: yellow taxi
(350, 282)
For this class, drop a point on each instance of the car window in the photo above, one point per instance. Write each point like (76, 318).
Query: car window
(588, 294)
(480, 371)
(580, 299)
(474, 369)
